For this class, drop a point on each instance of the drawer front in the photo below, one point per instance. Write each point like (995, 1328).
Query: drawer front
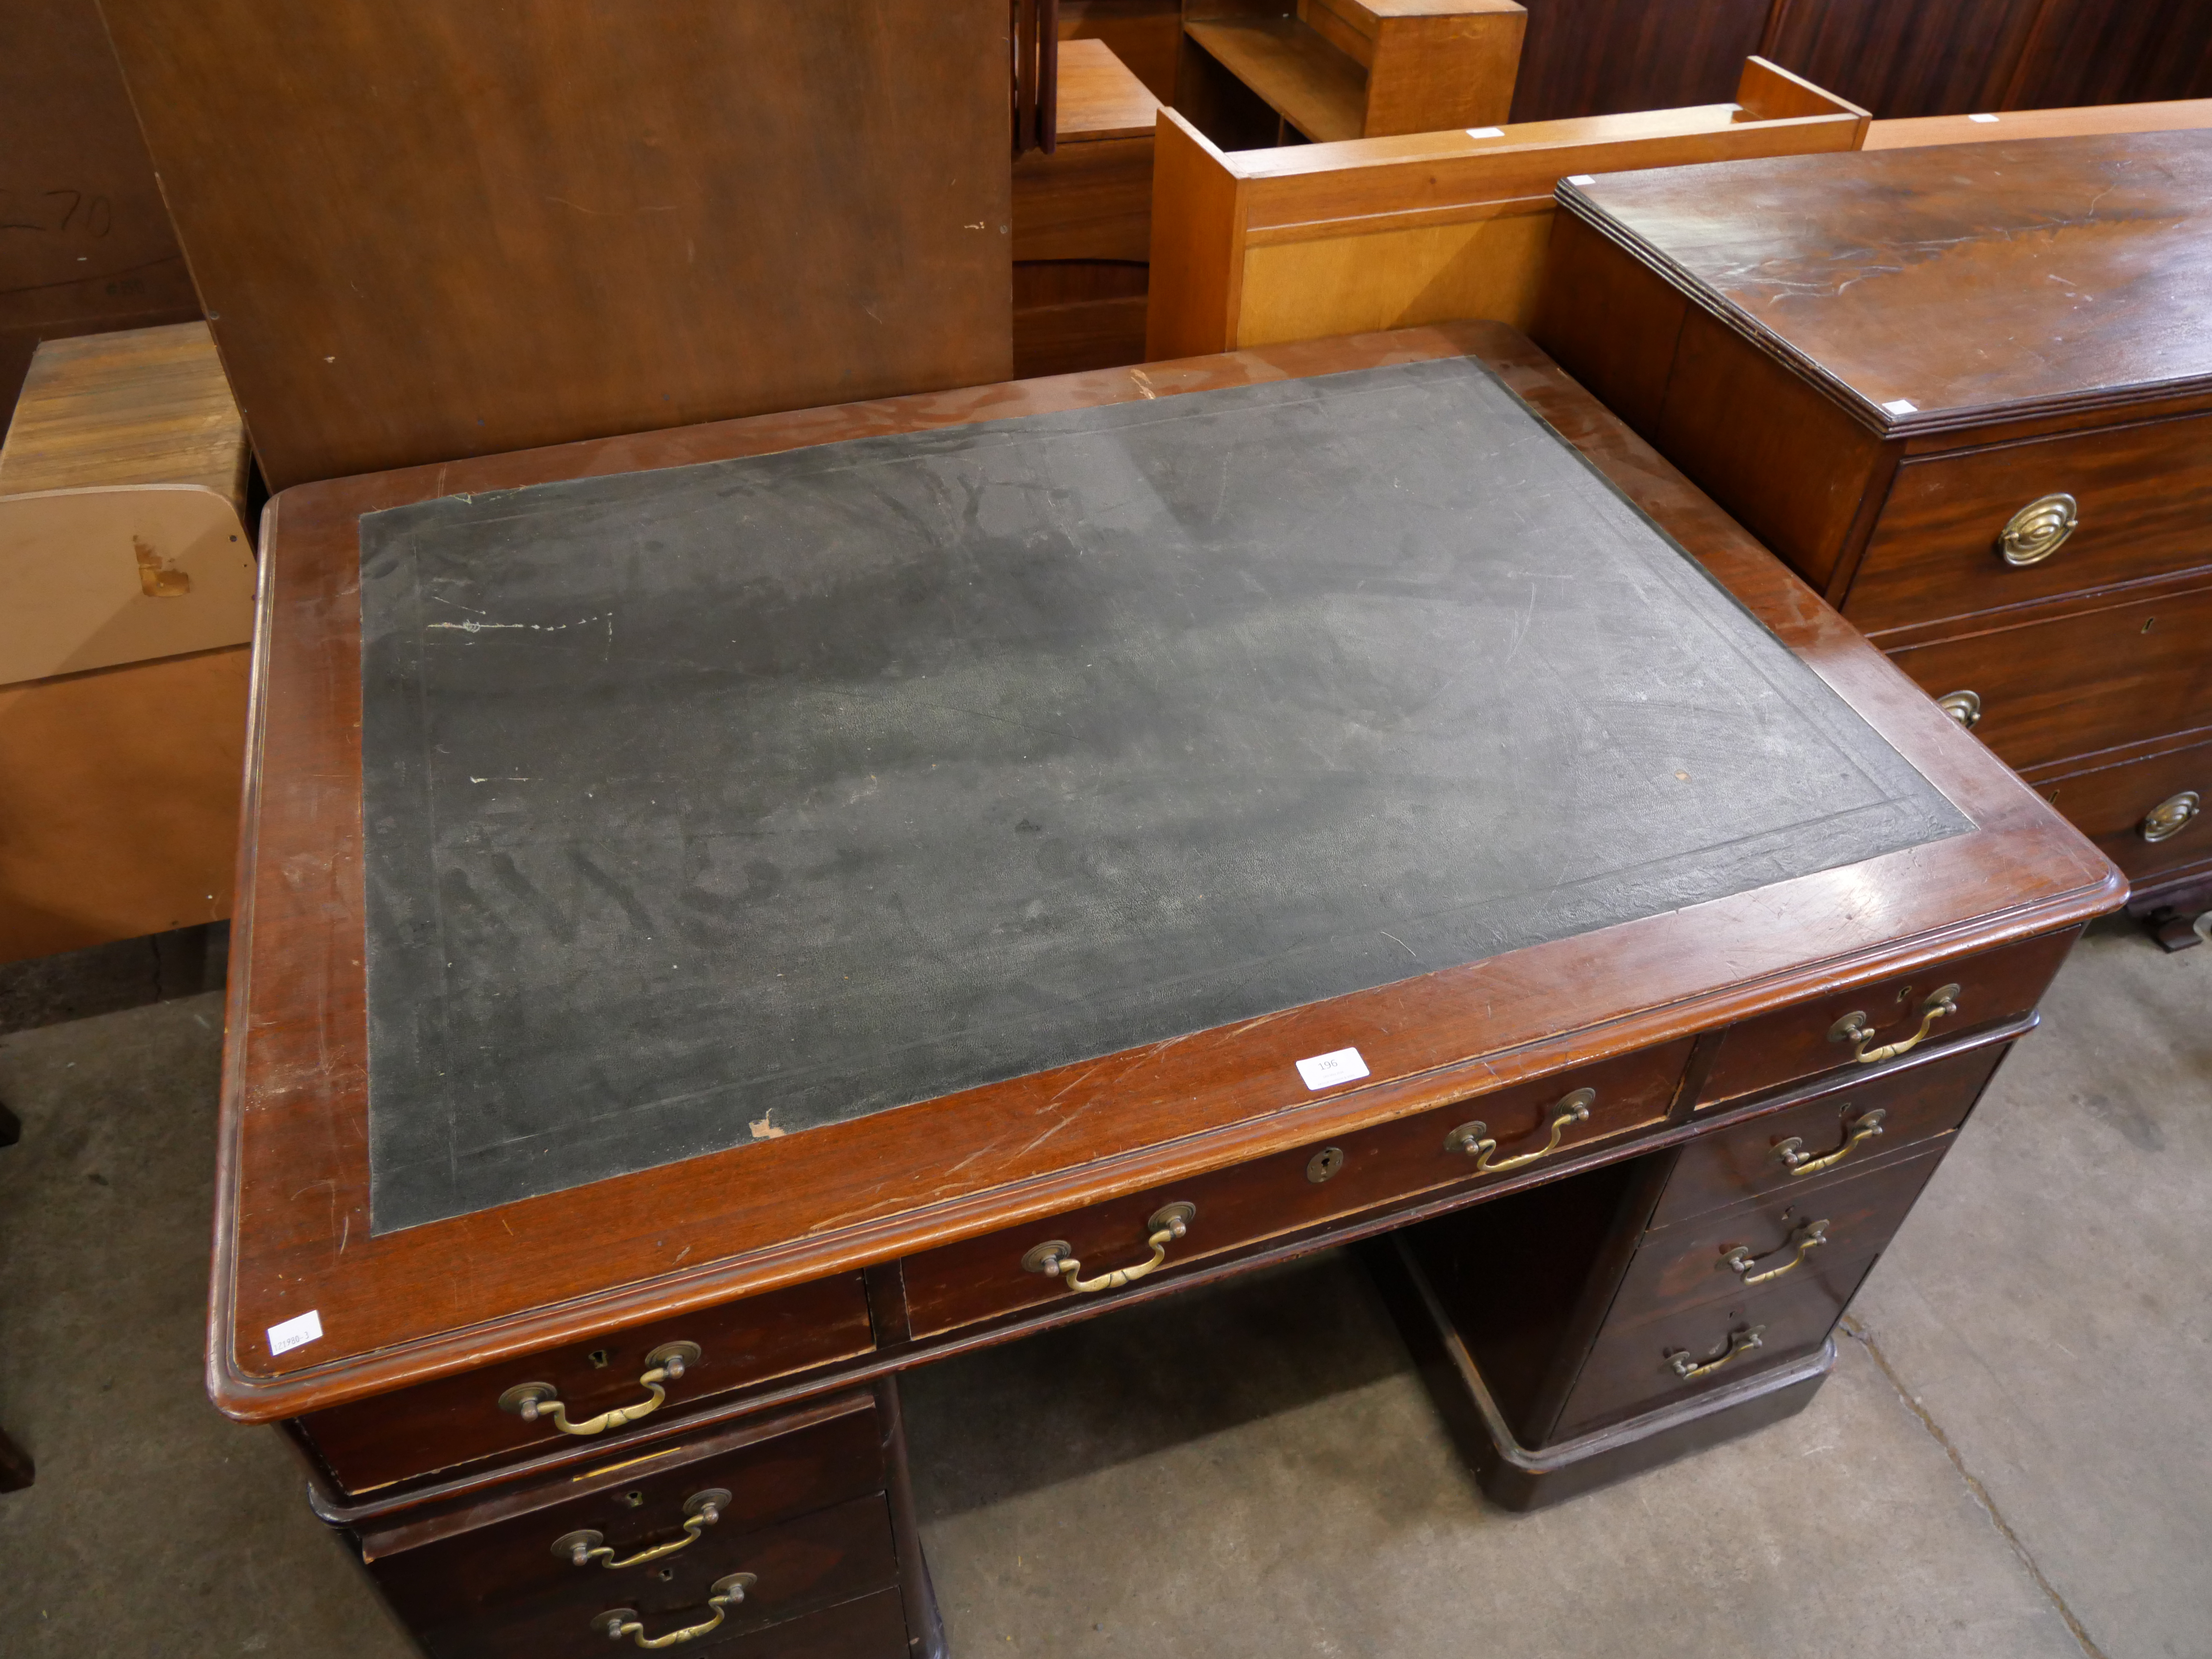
(2122, 808)
(815, 1561)
(458, 1419)
(870, 1627)
(1768, 1245)
(1800, 1041)
(981, 1278)
(1085, 201)
(458, 1569)
(1632, 1368)
(1845, 1129)
(2143, 507)
(2077, 683)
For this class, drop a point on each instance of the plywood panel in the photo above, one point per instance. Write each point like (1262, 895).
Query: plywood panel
(1487, 267)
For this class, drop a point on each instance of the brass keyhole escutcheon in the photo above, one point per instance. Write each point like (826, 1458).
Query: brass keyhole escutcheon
(2039, 529)
(1324, 1164)
(2170, 815)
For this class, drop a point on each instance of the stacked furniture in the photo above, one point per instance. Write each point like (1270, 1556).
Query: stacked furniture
(1967, 392)
(128, 579)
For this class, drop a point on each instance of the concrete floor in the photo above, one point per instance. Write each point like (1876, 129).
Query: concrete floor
(2013, 1458)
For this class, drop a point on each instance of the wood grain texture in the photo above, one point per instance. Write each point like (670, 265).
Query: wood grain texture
(1198, 243)
(1145, 35)
(2109, 803)
(1610, 56)
(88, 247)
(1100, 96)
(1923, 130)
(2111, 52)
(1905, 58)
(1441, 66)
(1306, 80)
(658, 1244)
(120, 801)
(420, 256)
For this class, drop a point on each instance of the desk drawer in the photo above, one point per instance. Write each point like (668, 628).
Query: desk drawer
(2074, 684)
(1801, 1041)
(458, 1568)
(981, 1278)
(2114, 806)
(1822, 1233)
(2143, 505)
(458, 1419)
(1854, 1123)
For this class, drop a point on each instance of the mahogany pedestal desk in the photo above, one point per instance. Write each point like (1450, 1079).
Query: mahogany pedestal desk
(728, 914)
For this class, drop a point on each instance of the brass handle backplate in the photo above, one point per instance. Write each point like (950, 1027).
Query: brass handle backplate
(532, 1400)
(1853, 1029)
(726, 1593)
(1807, 1239)
(1964, 707)
(1857, 1131)
(1056, 1258)
(1473, 1140)
(1742, 1340)
(2170, 815)
(2039, 529)
(701, 1511)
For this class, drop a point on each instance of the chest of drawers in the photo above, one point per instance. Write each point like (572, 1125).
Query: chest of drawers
(1967, 392)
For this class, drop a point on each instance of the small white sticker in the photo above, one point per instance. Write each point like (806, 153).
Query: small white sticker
(294, 1333)
(1327, 1070)
(1582, 178)
(1984, 120)
(1486, 132)
(1902, 406)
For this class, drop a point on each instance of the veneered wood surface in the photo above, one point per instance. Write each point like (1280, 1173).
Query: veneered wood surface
(1085, 201)
(1915, 1102)
(1935, 277)
(1609, 57)
(293, 1190)
(1905, 58)
(2107, 52)
(2109, 803)
(1791, 1044)
(1145, 35)
(2144, 496)
(460, 231)
(1100, 96)
(1308, 82)
(2087, 679)
(118, 800)
(1918, 131)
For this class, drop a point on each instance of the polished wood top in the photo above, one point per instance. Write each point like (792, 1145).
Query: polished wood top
(1931, 288)
(1099, 98)
(294, 1229)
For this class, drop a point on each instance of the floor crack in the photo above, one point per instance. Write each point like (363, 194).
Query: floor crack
(1864, 1338)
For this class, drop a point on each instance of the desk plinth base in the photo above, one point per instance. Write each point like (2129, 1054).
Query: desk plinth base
(1515, 1477)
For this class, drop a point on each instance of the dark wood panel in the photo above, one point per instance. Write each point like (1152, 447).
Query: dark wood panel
(1852, 1214)
(2143, 495)
(1863, 1121)
(1795, 1042)
(2078, 682)
(460, 231)
(868, 1627)
(2111, 805)
(2114, 51)
(458, 1419)
(815, 1561)
(981, 1278)
(461, 1568)
(1903, 57)
(1608, 57)
(1145, 35)
(1085, 201)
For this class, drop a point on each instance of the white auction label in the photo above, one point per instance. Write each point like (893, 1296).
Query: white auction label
(1326, 1071)
(1486, 132)
(1902, 406)
(294, 1333)
(1984, 120)
(1582, 178)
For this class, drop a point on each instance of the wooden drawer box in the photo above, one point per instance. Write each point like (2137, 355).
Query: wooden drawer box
(1852, 1125)
(981, 1278)
(2143, 495)
(2113, 805)
(458, 1419)
(2071, 684)
(1800, 1041)
(458, 1569)
(869, 1628)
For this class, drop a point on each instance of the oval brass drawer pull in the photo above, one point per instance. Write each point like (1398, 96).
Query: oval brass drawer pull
(1964, 707)
(2170, 815)
(1852, 1028)
(1056, 1256)
(727, 1591)
(1473, 1140)
(1857, 1132)
(1807, 1239)
(2039, 529)
(701, 1511)
(532, 1400)
(1742, 1340)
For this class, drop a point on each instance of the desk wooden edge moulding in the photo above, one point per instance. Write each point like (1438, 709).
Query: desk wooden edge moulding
(293, 1227)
